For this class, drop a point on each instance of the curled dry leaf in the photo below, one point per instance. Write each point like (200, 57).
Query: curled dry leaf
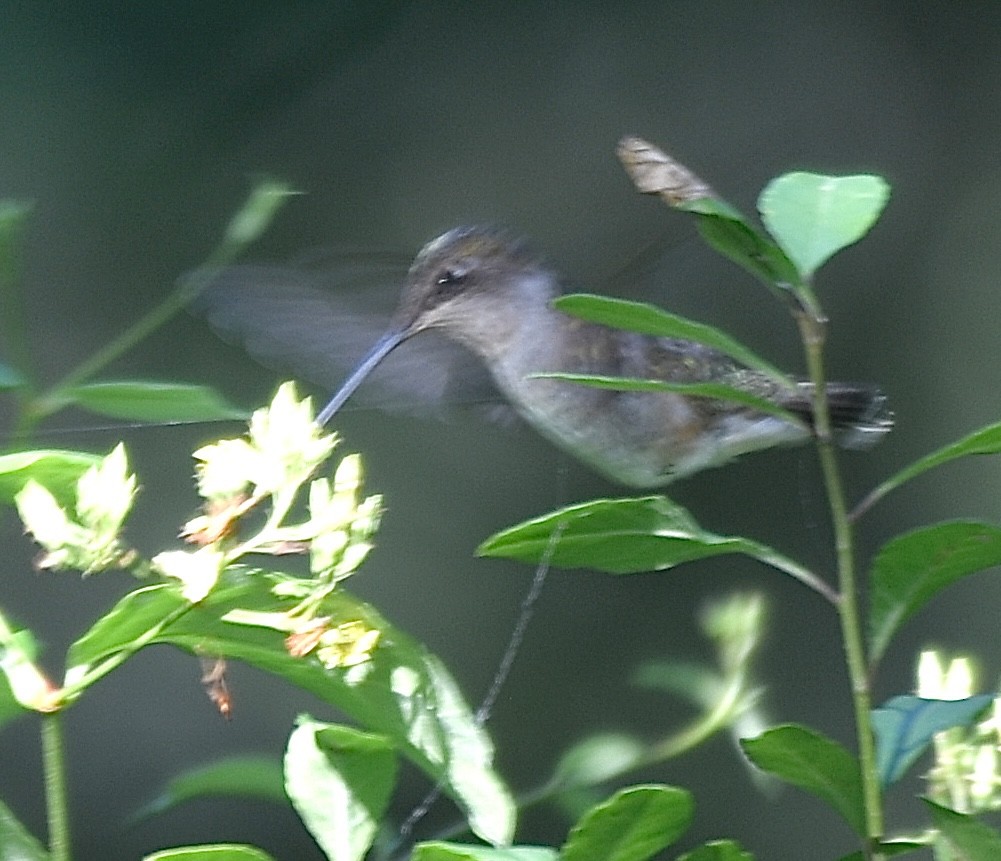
(654, 172)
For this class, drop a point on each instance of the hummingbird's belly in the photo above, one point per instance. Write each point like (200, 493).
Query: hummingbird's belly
(646, 439)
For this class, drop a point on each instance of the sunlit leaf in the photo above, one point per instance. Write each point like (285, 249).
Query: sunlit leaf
(904, 727)
(812, 216)
(154, 401)
(912, 568)
(16, 842)
(23, 682)
(441, 851)
(211, 852)
(57, 471)
(633, 825)
(402, 691)
(814, 763)
(650, 320)
(966, 835)
(627, 536)
(255, 777)
(340, 781)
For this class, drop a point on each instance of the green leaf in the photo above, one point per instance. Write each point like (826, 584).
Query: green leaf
(255, 777)
(904, 727)
(16, 842)
(969, 837)
(814, 763)
(912, 568)
(402, 691)
(598, 759)
(718, 391)
(57, 471)
(10, 708)
(987, 440)
(736, 238)
(650, 320)
(628, 536)
(436, 850)
(340, 781)
(152, 401)
(256, 214)
(10, 378)
(24, 685)
(633, 825)
(717, 850)
(890, 848)
(211, 852)
(812, 216)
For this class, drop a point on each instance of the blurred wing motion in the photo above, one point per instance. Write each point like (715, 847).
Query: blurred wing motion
(290, 321)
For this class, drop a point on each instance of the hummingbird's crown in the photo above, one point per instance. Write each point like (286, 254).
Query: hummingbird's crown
(486, 247)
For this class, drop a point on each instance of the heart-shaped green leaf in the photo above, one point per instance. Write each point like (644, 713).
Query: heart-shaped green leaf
(812, 216)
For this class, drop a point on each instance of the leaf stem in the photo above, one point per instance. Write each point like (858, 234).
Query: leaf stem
(246, 225)
(54, 767)
(116, 659)
(812, 328)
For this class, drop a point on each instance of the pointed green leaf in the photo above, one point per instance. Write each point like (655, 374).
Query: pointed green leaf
(256, 777)
(650, 320)
(401, 691)
(598, 759)
(633, 825)
(987, 440)
(258, 211)
(738, 240)
(340, 781)
(628, 536)
(717, 850)
(152, 401)
(814, 763)
(904, 727)
(717, 391)
(966, 835)
(436, 850)
(211, 852)
(912, 568)
(16, 842)
(890, 848)
(57, 471)
(813, 216)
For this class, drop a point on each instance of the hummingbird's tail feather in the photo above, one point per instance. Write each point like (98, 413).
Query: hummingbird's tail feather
(860, 413)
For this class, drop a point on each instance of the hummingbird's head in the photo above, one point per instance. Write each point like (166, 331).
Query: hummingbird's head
(473, 282)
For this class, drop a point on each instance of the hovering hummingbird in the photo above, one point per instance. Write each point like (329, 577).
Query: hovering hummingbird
(493, 296)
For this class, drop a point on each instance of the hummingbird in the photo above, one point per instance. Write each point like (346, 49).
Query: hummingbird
(492, 295)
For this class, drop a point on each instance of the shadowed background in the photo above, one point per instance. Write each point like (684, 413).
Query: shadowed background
(136, 132)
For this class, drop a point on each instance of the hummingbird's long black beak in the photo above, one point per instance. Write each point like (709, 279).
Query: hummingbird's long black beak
(382, 348)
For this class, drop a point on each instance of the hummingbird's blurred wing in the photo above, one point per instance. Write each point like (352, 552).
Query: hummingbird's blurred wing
(290, 324)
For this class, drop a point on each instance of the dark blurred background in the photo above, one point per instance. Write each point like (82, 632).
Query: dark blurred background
(137, 129)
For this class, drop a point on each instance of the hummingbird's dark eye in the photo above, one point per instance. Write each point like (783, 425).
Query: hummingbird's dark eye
(451, 277)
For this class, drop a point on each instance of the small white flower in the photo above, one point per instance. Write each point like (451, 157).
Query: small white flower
(197, 570)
